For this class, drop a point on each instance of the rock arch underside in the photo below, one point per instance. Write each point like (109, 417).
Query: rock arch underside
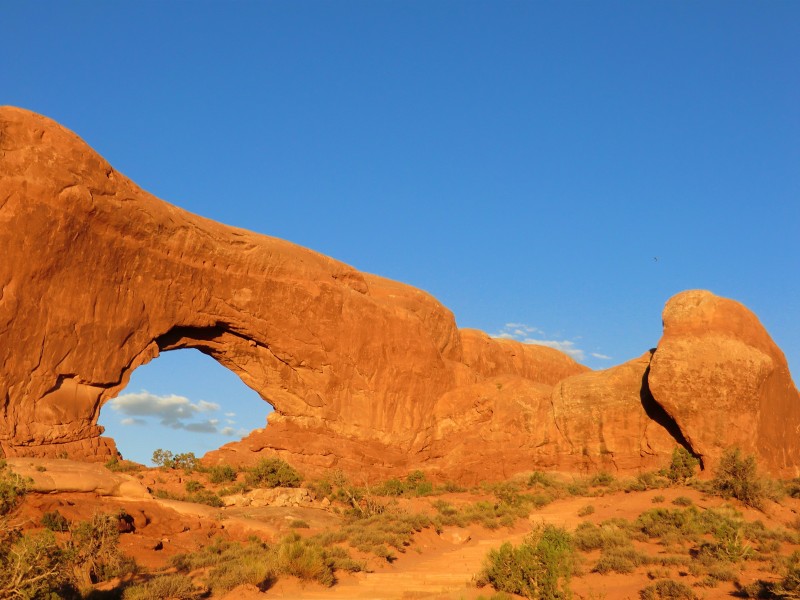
(365, 374)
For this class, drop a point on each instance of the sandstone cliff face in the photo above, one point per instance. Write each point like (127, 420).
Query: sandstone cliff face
(365, 374)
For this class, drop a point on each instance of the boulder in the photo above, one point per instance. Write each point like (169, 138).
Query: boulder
(722, 379)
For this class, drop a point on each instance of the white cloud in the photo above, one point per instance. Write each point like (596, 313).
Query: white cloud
(234, 432)
(600, 356)
(172, 410)
(525, 334)
(230, 414)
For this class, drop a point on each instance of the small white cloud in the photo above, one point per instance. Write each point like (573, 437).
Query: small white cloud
(565, 346)
(230, 414)
(133, 421)
(230, 421)
(230, 431)
(600, 356)
(528, 334)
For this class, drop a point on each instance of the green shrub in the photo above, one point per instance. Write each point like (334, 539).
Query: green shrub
(32, 566)
(167, 460)
(682, 466)
(193, 486)
(657, 499)
(667, 589)
(603, 478)
(737, 476)
(586, 511)
(55, 521)
(13, 488)
(221, 474)
(273, 472)
(94, 552)
(682, 501)
(540, 567)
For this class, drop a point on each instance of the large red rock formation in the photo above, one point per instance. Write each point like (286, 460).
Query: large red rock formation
(365, 374)
(719, 375)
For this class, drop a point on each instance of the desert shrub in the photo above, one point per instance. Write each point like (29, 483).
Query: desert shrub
(603, 478)
(378, 533)
(304, 559)
(299, 524)
(32, 566)
(167, 460)
(540, 567)
(273, 472)
(648, 480)
(232, 565)
(415, 484)
(122, 466)
(682, 501)
(729, 545)
(620, 559)
(175, 586)
(586, 511)
(538, 478)
(589, 536)
(203, 496)
(737, 476)
(221, 474)
(682, 466)
(657, 499)
(94, 553)
(13, 488)
(193, 486)
(54, 521)
(162, 458)
(667, 589)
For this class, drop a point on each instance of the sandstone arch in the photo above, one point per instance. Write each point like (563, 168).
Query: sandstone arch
(365, 374)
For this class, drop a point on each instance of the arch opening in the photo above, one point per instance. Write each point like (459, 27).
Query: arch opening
(184, 401)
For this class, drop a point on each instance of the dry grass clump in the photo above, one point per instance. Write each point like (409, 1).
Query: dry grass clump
(174, 586)
(667, 589)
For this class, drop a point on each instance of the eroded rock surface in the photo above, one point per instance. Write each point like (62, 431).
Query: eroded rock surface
(366, 375)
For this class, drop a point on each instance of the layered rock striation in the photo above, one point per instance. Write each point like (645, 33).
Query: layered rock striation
(365, 374)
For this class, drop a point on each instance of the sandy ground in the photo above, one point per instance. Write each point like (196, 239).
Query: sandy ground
(439, 566)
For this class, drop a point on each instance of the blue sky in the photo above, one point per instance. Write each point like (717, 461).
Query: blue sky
(525, 162)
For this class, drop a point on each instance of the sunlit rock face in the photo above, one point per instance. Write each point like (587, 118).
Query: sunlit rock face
(366, 375)
(720, 376)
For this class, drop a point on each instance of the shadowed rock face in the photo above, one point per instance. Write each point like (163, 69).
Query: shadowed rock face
(365, 374)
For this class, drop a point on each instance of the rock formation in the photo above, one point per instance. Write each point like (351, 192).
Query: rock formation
(365, 374)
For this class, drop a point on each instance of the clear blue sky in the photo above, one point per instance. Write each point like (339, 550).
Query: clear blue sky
(525, 162)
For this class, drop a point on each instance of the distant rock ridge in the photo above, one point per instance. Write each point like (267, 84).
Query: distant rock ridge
(366, 375)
